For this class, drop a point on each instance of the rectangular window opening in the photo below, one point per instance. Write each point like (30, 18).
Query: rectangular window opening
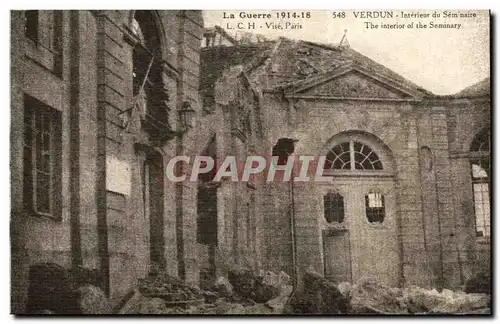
(334, 208)
(42, 141)
(375, 207)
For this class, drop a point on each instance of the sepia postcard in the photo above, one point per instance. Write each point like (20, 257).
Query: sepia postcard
(246, 162)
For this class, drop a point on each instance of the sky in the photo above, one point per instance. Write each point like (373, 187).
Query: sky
(441, 60)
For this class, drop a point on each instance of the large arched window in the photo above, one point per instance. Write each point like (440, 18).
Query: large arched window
(480, 170)
(352, 155)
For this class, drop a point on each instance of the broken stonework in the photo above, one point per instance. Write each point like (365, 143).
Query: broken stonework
(461, 303)
(132, 303)
(223, 287)
(345, 289)
(266, 289)
(92, 300)
(318, 296)
(277, 305)
(284, 278)
(271, 279)
(369, 297)
(169, 288)
(243, 281)
(136, 303)
(420, 300)
(152, 306)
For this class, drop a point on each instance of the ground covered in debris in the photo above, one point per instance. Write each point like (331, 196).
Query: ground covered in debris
(244, 293)
(241, 292)
(271, 294)
(319, 296)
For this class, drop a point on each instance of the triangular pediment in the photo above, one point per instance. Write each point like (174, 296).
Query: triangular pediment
(351, 82)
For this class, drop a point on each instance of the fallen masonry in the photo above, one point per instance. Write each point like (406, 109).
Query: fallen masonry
(55, 290)
(242, 292)
(319, 296)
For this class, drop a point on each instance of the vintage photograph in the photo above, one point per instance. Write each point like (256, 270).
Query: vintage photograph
(246, 162)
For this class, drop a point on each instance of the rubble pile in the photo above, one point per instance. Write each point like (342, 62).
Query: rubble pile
(161, 293)
(55, 290)
(136, 303)
(243, 281)
(259, 288)
(446, 302)
(318, 296)
(93, 301)
(242, 292)
(369, 297)
(222, 288)
(170, 289)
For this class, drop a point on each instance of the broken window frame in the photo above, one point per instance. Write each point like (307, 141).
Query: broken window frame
(375, 207)
(334, 208)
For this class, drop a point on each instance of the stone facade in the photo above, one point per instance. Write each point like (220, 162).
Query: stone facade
(324, 96)
(112, 210)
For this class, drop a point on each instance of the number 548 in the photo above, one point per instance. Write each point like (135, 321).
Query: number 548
(338, 14)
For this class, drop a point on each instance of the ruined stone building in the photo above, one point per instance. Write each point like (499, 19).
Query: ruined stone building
(89, 137)
(407, 199)
(102, 100)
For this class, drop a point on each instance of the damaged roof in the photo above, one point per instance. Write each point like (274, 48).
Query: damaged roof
(281, 63)
(482, 88)
(297, 60)
(216, 60)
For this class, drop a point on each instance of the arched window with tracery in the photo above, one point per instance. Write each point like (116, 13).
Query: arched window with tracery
(480, 172)
(352, 155)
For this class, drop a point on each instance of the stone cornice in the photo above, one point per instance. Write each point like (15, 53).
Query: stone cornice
(333, 98)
